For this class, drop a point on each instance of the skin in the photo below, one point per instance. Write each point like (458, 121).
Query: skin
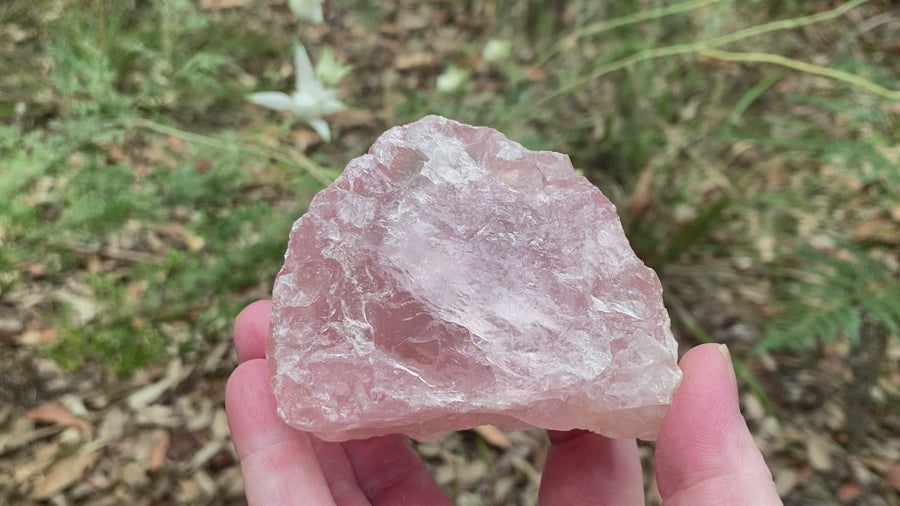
(705, 454)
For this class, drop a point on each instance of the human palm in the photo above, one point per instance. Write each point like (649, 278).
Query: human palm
(704, 454)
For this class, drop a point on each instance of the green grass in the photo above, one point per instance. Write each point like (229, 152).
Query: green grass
(166, 235)
(216, 241)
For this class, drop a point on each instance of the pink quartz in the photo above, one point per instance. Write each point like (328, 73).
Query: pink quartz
(451, 278)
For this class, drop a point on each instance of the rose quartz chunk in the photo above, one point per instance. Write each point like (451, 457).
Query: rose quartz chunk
(451, 278)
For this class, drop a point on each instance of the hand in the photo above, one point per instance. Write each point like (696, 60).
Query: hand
(704, 454)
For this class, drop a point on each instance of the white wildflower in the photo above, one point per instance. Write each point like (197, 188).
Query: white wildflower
(310, 101)
(307, 9)
(496, 50)
(452, 80)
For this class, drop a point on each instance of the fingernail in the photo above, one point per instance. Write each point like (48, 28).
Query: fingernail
(723, 349)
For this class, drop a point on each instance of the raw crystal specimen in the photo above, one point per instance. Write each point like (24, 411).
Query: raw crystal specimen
(451, 278)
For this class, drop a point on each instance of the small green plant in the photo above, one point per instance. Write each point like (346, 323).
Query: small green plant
(828, 298)
(213, 241)
(148, 238)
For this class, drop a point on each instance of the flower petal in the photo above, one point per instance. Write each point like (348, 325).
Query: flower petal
(321, 128)
(273, 100)
(307, 9)
(306, 106)
(303, 69)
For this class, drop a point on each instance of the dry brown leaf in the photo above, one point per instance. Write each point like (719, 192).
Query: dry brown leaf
(159, 415)
(10, 327)
(879, 230)
(892, 476)
(93, 263)
(113, 425)
(37, 337)
(180, 235)
(753, 408)
(203, 165)
(536, 73)
(59, 415)
(175, 143)
(63, 474)
(22, 433)
(785, 479)
(304, 138)
(215, 357)
(494, 436)
(41, 460)
(160, 448)
(205, 483)
(641, 199)
(219, 425)
(230, 482)
(135, 290)
(817, 454)
(354, 117)
(204, 454)
(895, 213)
(876, 463)
(471, 473)
(847, 492)
(149, 394)
(188, 491)
(418, 60)
(116, 154)
(134, 475)
(36, 269)
(413, 19)
(80, 299)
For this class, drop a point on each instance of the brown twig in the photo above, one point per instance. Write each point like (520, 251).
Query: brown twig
(108, 252)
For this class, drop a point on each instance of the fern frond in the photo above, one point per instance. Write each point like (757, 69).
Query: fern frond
(884, 307)
(826, 300)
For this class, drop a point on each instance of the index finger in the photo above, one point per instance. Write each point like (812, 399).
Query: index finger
(250, 330)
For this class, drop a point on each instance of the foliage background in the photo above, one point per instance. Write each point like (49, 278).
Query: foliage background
(751, 148)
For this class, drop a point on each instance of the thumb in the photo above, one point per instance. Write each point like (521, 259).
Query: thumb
(705, 454)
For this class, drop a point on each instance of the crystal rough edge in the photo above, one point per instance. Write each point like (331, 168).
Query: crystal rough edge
(451, 278)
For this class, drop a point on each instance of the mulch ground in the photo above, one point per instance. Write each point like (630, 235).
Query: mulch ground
(161, 436)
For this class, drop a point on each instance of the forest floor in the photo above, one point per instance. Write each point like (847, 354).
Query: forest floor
(143, 202)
